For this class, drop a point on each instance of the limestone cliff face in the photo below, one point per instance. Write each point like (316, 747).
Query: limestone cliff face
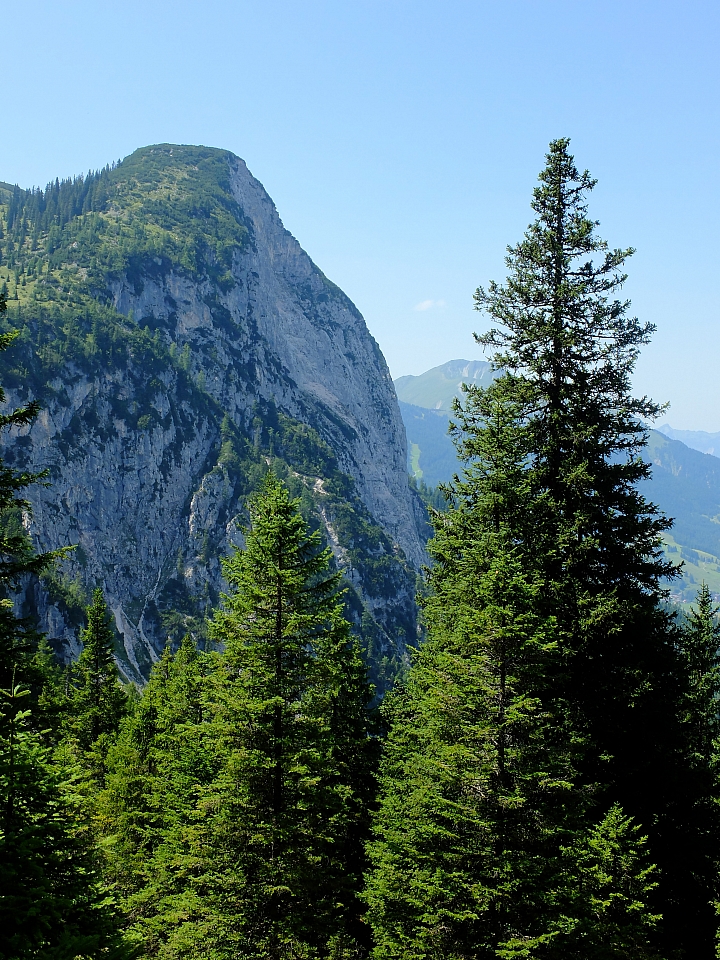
(209, 374)
(309, 347)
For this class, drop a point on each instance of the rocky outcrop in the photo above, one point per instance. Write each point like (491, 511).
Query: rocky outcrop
(142, 479)
(304, 344)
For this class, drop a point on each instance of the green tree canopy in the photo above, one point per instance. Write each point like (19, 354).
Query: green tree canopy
(296, 780)
(483, 828)
(548, 580)
(252, 781)
(51, 904)
(567, 345)
(97, 698)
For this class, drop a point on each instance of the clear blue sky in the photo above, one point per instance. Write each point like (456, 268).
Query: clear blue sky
(401, 140)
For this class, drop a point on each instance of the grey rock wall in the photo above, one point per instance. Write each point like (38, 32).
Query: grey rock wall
(152, 508)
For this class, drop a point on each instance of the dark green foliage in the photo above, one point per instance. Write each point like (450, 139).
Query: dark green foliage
(548, 584)
(97, 702)
(238, 794)
(163, 759)
(684, 483)
(295, 785)
(608, 883)
(433, 497)
(50, 901)
(568, 347)
(483, 828)
(700, 644)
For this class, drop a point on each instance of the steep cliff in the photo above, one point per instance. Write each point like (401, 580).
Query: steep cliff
(179, 340)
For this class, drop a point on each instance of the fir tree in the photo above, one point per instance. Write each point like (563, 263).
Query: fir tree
(567, 345)
(483, 830)
(700, 645)
(162, 759)
(252, 782)
(694, 835)
(296, 781)
(51, 902)
(98, 701)
(609, 881)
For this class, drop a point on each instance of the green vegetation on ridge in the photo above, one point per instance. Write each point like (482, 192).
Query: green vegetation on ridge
(437, 388)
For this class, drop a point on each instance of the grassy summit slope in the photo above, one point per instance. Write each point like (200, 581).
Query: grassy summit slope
(437, 388)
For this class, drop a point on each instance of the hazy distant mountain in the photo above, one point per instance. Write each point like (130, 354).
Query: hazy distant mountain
(686, 486)
(697, 439)
(437, 388)
(685, 483)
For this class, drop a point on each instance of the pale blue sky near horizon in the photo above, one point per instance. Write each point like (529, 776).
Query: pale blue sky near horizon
(401, 140)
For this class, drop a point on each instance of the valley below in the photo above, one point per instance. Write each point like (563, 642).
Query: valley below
(685, 482)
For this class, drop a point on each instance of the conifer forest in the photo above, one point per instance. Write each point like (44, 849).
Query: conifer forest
(523, 762)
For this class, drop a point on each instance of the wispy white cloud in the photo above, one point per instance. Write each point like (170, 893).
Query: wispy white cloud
(428, 305)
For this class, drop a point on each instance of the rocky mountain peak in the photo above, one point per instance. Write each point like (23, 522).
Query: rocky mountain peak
(194, 341)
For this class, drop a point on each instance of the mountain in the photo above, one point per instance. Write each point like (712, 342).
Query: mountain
(685, 482)
(437, 388)
(180, 340)
(686, 486)
(697, 439)
(426, 404)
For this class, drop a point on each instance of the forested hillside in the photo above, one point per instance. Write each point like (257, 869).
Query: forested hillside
(178, 340)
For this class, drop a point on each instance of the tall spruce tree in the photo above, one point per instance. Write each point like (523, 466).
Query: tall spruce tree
(700, 645)
(697, 846)
(162, 760)
(297, 777)
(608, 694)
(567, 346)
(260, 778)
(483, 834)
(97, 700)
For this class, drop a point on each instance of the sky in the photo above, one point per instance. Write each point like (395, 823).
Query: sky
(401, 140)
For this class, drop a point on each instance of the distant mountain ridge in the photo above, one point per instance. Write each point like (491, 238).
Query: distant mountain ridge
(685, 482)
(431, 453)
(437, 388)
(697, 439)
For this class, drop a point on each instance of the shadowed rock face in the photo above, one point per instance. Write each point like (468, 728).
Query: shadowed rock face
(267, 357)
